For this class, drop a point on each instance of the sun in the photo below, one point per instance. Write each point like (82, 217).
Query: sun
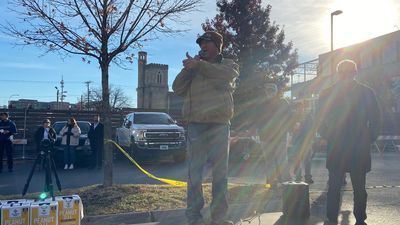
(362, 20)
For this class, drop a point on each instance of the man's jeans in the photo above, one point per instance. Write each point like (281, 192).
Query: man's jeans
(207, 143)
(333, 195)
(274, 154)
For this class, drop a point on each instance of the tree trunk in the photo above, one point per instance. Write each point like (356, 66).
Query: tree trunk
(106, 116)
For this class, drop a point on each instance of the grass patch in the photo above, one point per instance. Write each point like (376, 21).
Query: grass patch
(98, 200)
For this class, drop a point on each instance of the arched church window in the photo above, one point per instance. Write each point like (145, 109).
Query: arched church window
(159, 77)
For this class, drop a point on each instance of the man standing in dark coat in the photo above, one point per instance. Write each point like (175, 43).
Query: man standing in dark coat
(348, 117)
(7, 130)
(96, 137)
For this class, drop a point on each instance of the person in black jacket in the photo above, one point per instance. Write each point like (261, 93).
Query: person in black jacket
(45, 132)
(349, 120)
(273, 117)
(7, 130)
(301, 152)
(96, 137)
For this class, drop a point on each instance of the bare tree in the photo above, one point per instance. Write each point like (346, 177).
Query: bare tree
(118, 98)
(104, 30)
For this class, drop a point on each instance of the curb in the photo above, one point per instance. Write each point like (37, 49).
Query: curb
(236, 211)
(112, 219)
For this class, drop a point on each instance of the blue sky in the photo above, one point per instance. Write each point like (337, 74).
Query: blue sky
(28, 74)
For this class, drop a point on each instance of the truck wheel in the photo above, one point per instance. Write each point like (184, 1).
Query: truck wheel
(178, 158)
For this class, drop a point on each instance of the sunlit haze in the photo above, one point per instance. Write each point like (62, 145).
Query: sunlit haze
(361, 20)
(307, 23)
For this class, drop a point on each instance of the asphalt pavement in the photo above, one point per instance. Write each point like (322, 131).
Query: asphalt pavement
(383, 186)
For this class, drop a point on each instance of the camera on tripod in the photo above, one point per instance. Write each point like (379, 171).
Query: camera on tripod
(46, 146)
(45, 159)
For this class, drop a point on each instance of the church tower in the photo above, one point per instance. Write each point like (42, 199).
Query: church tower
(142, 61)
(152, 91)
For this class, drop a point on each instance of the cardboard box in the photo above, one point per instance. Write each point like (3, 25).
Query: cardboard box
(44, 213)
(15, 214)
(7, 202)
(70, 210)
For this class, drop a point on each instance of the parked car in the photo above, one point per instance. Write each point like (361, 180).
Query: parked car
(152, 135)
(82, 150)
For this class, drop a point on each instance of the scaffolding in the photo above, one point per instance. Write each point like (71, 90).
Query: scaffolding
(302, 73)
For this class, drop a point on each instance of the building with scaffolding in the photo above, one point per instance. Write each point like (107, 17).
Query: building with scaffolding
(378, 61)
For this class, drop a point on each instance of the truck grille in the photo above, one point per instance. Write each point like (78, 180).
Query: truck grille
(162, 135)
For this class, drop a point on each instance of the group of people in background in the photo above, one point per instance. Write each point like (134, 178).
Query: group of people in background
(70, 138)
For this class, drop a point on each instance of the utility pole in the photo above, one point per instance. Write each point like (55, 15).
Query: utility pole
(88, 93)
(58, 94)
(62, 91)
(81, 107)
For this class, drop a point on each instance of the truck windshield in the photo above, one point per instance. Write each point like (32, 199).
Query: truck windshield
(152, 119)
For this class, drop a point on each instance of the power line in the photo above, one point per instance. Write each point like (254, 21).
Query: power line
(38, 81)
(52, 82)
(39, 96)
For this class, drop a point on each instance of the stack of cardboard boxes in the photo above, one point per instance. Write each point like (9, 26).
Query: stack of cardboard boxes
(64, 210)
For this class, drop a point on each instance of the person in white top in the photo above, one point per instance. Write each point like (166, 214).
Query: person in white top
(70, 139)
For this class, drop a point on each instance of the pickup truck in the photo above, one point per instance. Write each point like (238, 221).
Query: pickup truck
(152, 135)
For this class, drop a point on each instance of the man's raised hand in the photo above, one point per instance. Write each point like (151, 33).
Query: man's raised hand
(190, 62)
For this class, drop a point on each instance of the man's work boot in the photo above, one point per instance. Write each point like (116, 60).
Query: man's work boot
(361, 223)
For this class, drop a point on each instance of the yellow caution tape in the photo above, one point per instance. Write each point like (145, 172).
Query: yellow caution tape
(167, 181)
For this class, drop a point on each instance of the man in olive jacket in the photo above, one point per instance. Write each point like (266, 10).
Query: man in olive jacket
(207, 82)
(349, 118)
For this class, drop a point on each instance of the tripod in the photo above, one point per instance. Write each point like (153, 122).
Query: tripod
(46, 158)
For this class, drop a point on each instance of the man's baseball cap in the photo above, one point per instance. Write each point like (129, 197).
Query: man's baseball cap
(212, 36)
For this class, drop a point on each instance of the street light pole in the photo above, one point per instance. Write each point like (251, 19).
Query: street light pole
(335, 13)
(9, 99)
